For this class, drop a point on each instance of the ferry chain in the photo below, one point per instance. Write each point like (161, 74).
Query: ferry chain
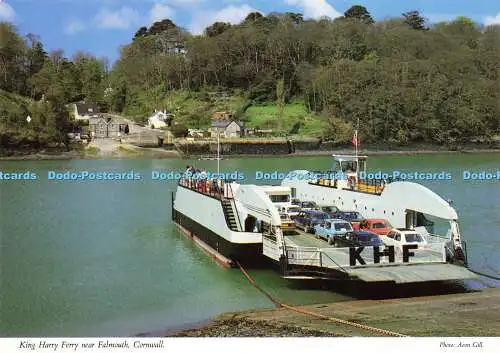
(321, 316)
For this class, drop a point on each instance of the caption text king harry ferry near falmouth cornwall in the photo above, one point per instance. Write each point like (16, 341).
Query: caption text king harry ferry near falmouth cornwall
(371, 230)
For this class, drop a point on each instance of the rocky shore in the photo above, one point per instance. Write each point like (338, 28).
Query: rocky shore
(240, 326)
(451, 315)
(134, 152)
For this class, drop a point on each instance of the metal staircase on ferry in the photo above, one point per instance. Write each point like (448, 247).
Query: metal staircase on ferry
(227, 207)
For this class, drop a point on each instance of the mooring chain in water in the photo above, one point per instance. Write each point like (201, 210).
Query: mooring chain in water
(311, 313)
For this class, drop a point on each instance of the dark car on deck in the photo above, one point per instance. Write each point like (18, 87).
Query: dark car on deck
(329, 209)
(305, 205)
(357, 238)
(306, 220)
(353, 217)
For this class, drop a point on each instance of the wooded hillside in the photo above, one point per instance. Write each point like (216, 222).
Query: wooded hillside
(404, 81)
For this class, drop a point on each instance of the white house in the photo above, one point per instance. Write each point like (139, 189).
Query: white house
(159, 119)
(226, 128)
(85, 111)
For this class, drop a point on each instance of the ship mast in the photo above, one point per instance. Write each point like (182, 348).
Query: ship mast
(356, 149)
(218, 153)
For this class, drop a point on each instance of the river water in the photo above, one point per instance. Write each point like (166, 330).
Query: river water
(102, 258)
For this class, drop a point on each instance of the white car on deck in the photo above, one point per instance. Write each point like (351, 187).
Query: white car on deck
(291, 210)
(403, 236)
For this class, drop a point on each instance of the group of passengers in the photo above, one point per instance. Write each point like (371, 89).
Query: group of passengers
(198, 180)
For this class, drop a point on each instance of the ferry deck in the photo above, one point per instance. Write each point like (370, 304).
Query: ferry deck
(311, 258)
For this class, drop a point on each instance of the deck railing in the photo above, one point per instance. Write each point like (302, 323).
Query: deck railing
(304, 256)
(435, 238)
(218, 189)
(211, 187)
(371, 186)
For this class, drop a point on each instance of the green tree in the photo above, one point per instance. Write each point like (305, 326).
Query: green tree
(415, 20)
(217, 28)
(161, 26)
(360, 13)
(13, 51)
(141, 32)
(280, 99)
(252, 17)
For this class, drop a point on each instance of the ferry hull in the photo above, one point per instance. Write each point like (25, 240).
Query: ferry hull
(249, 254)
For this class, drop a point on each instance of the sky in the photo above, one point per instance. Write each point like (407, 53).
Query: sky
(100, 27)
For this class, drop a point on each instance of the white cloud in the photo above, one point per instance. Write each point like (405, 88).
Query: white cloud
(6, 11)
(184, 2)
(121, 19)
(232, 13)
(74, 26)
(490, 20)
(160, 12)
(315, 8)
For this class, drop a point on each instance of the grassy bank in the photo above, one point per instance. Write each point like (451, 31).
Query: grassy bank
(195, 109)
(294, 120)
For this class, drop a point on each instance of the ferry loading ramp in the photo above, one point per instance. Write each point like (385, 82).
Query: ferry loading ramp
(311, 258)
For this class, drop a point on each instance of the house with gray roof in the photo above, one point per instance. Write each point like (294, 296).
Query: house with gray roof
(226, 128)
(85, 111)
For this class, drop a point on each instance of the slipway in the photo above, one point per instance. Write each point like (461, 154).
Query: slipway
(412, 273)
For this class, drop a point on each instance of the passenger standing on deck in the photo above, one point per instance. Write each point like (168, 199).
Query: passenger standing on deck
(203, 180)
(188, 175)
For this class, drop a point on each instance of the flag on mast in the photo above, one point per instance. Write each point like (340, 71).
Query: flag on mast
(355, 140)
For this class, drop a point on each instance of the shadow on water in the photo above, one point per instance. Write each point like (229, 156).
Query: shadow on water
(383, 290)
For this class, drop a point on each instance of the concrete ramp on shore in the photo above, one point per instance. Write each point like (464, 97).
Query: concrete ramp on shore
(412, 273)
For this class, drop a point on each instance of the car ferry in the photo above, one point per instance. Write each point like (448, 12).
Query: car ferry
(241, 223)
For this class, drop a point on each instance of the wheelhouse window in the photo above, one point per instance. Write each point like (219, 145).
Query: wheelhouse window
(280, 198)
(348, 166)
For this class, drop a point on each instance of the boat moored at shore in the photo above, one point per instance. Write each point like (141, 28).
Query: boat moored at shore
(242, 224)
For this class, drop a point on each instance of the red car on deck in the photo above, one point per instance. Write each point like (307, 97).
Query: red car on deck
(374, 225)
